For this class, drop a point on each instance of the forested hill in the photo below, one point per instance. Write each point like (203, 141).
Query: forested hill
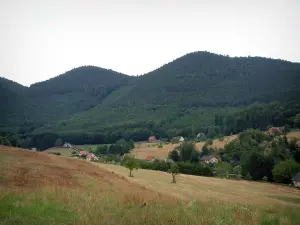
(58, 98)
(206, 79)
(198, 92)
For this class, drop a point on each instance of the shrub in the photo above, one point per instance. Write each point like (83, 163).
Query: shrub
(285, 170)
(54, 153)
(160, 145)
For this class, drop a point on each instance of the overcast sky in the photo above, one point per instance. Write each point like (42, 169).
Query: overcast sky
(40, 39)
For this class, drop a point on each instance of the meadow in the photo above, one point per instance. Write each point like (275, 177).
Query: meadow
(39, 188)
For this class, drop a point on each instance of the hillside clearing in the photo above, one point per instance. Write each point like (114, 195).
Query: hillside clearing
(38, 188)
(144, 149)
(62, 151)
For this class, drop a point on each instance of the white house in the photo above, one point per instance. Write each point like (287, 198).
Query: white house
(67, 145)
(181, 139)
(296, 180)
(210, 159)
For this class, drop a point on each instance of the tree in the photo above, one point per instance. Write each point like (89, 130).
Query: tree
(174, 170)
(130, 163)
(285, 170)
(223, 168)
(186, 149)
(297, 120)
(258, 166)
(174, 155)
(205, 150)
(58, 142)
(101, 150)
(237, 170)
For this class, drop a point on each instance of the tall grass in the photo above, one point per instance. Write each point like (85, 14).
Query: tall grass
(65, 206)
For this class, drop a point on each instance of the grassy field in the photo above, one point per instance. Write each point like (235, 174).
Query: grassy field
(87, 147)
(293, 134)
(39, 188)
(62, 151)
(206, 189)
(144, 149)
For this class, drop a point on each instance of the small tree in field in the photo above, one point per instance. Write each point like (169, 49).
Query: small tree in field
(130, 163)
(174, 170)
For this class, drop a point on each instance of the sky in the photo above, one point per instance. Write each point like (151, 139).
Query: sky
(40, 39)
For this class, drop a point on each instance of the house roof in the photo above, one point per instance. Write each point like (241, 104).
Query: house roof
(296, 178)
(152, 137)
(149, 158)
(208, 157)
(298, 143)
(82, 153)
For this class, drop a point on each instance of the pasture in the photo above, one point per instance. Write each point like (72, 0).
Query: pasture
(39, 188)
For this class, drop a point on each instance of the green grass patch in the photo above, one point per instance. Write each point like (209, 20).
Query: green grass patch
(33, 209)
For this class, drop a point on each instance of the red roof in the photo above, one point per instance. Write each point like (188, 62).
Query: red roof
(152, 138)
(148, 158)
(83, 153)
(298, 143)
(274, 130)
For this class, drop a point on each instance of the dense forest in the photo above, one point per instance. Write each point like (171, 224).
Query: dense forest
(200, 92)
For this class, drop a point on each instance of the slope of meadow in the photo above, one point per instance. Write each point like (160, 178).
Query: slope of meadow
(38, 188)
(144, 149)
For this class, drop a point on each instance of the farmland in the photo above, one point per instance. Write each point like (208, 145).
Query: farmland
(144, 149)
(39, 188)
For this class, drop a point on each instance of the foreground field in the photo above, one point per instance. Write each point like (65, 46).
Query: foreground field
(38, 188)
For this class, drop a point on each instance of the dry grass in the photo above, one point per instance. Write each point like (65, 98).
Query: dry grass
(144, 149)
(39, 188)
(293, 134)
(190, 187)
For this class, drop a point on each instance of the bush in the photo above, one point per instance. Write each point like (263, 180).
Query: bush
(285, 170)
(209, 142)
(160, 145)
(54, 153)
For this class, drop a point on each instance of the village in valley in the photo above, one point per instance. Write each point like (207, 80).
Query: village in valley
(155, 151)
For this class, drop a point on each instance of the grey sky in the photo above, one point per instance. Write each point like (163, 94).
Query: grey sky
(40, 39)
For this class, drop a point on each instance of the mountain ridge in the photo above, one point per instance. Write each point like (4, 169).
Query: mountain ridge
(183, 95)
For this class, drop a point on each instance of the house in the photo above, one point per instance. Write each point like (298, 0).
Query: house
(67, 145)
(298, 144)
(152, 139)
(296, 180)
(91, 156)
(150, 158)
(210, 159)
(201, 135)
(83, 153)
(34, 149)
(169, 160)
(274, 131)
(177, 139)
